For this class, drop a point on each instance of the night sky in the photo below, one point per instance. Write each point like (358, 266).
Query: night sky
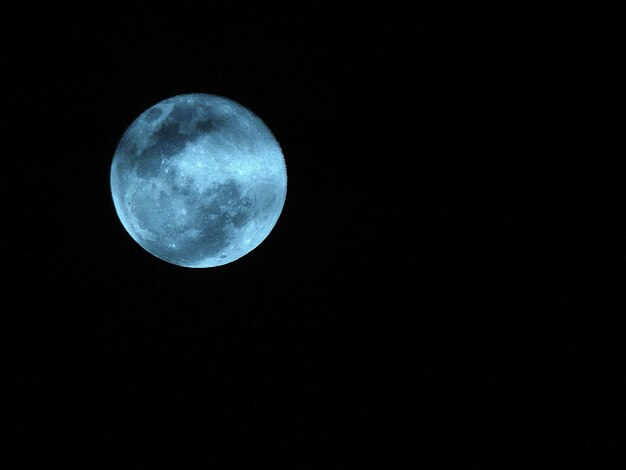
(443, 286)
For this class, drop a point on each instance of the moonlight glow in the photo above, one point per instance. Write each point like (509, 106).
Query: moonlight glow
(198, 180)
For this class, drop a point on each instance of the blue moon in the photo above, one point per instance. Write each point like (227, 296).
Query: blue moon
(198, 180)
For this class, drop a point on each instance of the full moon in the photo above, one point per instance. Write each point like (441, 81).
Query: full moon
(198, 180)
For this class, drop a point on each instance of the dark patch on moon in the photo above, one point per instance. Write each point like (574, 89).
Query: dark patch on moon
(149, 162)
(208, 125)
(183, 113)
(227, 192)
(169, 137)
(240, 219)
(168, 140)
(153, 114)
(127, 146)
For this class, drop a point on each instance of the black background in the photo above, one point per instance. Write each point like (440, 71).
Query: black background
(442, 289)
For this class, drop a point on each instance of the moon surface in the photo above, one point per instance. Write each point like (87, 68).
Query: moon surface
(198, 180)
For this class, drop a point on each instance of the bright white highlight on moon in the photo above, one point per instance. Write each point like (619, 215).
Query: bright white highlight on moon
(198, 180)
